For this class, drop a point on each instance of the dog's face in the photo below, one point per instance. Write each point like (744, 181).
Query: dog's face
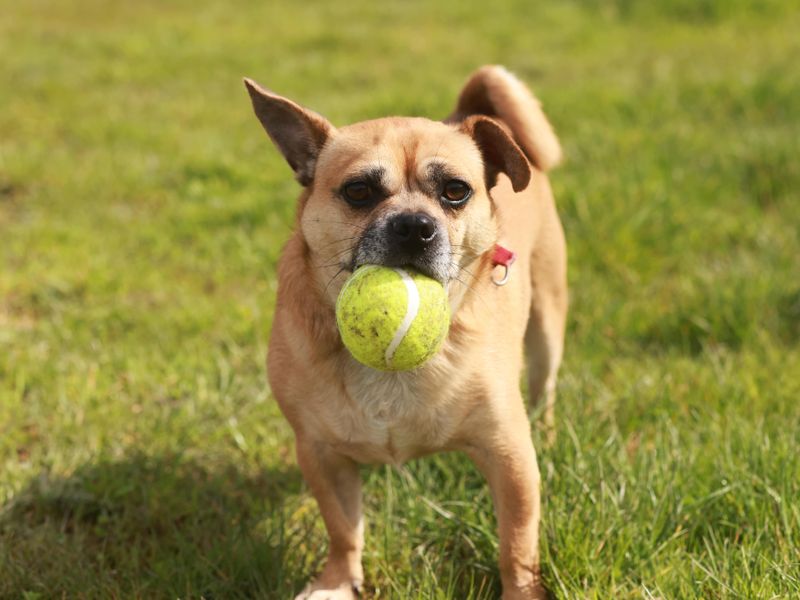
(399, 192)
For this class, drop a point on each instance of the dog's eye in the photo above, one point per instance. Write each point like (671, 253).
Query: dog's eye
(456, 192)
(357, 193)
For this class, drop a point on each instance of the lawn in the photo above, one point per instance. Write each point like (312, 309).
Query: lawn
(142, 210)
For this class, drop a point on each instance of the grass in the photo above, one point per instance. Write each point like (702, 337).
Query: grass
(141, 214)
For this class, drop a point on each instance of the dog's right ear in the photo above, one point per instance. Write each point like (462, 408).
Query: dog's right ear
(298, 132)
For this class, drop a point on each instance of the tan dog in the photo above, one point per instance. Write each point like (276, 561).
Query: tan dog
(437, 197)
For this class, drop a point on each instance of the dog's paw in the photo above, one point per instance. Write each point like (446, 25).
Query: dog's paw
(535, 591)
(346, 591)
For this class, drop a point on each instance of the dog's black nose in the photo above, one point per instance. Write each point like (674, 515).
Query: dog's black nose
(413, 231)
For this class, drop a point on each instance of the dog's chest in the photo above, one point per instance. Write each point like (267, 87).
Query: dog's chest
(391, 417)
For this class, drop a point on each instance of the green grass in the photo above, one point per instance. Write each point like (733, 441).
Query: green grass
(142, 210)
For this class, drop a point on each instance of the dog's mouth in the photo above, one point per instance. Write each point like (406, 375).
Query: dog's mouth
(434, 263)
(432, 269)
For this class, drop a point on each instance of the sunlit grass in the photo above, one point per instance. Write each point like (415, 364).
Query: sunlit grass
(142, 210)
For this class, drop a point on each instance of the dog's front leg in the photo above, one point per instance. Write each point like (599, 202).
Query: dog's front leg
(506, 457)
(335, 483)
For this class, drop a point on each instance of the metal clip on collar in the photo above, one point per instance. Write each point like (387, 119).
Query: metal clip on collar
(505, 258)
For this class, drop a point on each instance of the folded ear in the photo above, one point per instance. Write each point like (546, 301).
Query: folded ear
(297, 132)
(500, 152)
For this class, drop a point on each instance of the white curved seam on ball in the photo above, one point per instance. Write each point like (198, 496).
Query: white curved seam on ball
(411, 313)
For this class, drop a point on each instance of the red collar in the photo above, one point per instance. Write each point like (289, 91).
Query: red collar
(503, 256)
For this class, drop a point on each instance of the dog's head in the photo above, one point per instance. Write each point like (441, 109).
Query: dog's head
(400, 192)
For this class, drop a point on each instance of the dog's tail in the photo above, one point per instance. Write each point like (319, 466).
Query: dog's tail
(495, 92)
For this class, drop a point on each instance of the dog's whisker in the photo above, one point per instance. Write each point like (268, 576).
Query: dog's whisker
(329, 221)
(462, 254)
(471, 259)
(342, 252)
(473, 290)
(331, 280)
(459, 269)
(328, 265)
(336, 261)
(468, 272)
(347, 239)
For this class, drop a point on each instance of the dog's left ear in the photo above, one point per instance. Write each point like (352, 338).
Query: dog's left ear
(298, 133)
(500, 152)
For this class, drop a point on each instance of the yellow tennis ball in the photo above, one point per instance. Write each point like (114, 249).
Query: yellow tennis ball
(392, 319)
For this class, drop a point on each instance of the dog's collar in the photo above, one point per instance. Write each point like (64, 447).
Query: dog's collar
(502, 257)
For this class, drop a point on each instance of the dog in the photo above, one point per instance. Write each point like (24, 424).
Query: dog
(455, 200)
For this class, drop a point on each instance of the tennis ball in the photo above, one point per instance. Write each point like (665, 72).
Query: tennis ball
(392, 319)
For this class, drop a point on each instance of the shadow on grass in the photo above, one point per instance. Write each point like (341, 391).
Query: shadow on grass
(153, 526)
(167, 526)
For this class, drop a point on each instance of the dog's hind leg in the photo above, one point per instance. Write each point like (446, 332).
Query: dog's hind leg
(544, 341)
(544, 338)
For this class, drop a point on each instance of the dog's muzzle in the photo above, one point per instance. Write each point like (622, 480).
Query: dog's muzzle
(406, 239)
